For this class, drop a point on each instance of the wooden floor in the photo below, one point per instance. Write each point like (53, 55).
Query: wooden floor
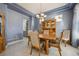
(20, 48)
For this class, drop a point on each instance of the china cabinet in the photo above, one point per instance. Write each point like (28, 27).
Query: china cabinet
(50, 26)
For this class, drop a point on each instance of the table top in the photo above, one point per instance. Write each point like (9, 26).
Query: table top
(47, 37)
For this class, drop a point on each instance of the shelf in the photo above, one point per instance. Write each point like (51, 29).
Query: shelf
(49, 25)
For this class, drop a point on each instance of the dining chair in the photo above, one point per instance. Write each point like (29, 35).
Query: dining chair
(55, 43)
(29, 36)
(35, 42)
(66, 36)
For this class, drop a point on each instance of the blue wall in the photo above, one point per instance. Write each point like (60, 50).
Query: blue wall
(36, 24)
(75, 28)
(13, 23)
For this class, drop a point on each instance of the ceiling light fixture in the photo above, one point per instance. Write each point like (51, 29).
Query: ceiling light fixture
(41, 15)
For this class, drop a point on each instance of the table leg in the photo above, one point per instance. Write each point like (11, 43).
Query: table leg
(47, 47)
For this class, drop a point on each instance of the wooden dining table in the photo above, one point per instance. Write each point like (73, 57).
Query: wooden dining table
(46, 38)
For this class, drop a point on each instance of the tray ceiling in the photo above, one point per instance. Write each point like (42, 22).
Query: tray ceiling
(35, 7)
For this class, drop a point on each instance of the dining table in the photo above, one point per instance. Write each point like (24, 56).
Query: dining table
(46, 38)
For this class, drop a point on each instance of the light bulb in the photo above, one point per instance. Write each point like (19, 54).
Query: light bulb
(42, 14)
(42, 19)
(37, 16)
(45, 15)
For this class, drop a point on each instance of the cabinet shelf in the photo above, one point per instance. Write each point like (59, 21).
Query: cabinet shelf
(49, 25)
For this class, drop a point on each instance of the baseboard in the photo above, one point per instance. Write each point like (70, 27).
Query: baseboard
(13, 42)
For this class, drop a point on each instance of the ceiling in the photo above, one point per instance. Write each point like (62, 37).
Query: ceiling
(36, 7)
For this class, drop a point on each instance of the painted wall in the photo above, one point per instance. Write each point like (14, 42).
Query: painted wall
(3, 8)
(36, 24)
(75, 28)
(14, 23)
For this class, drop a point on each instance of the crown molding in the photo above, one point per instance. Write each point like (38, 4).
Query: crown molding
(66, 7)
(16, 7)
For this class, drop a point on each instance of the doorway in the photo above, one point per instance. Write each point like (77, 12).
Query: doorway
(25, 27)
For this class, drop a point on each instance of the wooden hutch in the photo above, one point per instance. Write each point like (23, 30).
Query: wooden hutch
(50, 26)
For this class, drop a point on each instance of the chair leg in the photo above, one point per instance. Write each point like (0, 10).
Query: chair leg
(39, 52)
(28, 39)
(47, 47)
(28, 43)
(31, 51)
(65, 43)
(59, 48)
(31, 48)
(59, 51)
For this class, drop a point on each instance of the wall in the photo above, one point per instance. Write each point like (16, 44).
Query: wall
(13, 23)
(75, 28)
(3, 8)
(36, 24)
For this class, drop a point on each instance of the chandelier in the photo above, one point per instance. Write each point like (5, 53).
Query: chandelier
(41, 16)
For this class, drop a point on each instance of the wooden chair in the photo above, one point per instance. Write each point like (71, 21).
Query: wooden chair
(56, 44)
(66, 36)
(35, 42)
(29, 36)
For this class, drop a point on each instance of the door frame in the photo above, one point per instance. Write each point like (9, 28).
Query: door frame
(3, 24)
